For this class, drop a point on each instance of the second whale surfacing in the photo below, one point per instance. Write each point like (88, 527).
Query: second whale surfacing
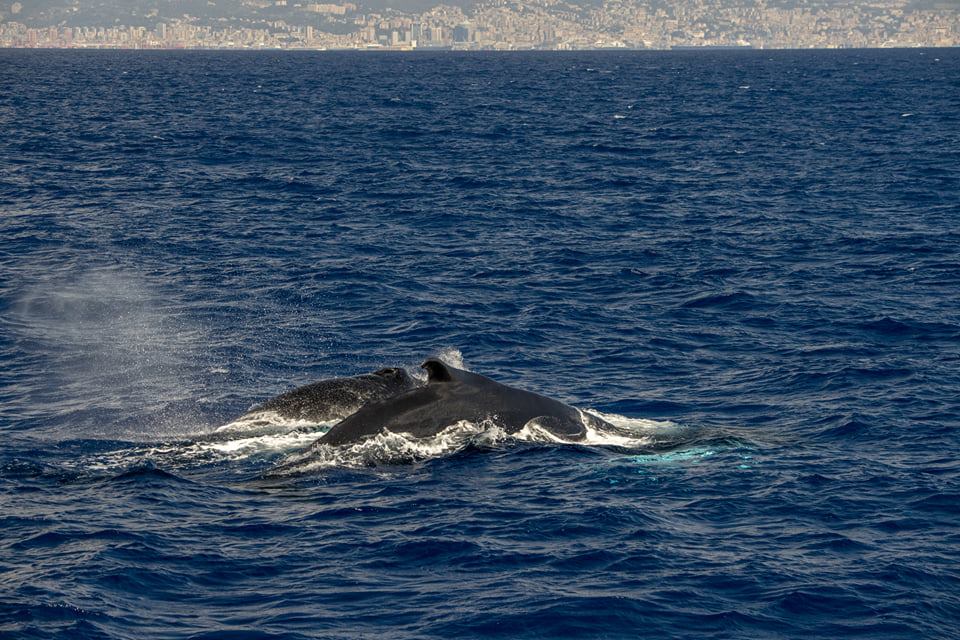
(336, 398)
(452, 395)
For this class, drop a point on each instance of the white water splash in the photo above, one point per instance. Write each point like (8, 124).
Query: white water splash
(389, 448)
(631, 432)
(260, 444)
(261, 433)
(267, 435)
(452, 356)
(260, 420)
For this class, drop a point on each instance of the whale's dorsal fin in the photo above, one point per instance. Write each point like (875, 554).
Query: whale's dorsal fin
(437, 371)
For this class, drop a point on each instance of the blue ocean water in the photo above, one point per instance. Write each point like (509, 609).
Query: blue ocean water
(750, 259)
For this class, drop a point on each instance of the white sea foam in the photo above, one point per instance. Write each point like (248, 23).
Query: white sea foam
(261, 433)
(389, 448)
(252, 422)
(267, 435)
(260, 444)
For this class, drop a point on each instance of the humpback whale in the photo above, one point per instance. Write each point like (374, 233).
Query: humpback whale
(451, 395)
(337, 398)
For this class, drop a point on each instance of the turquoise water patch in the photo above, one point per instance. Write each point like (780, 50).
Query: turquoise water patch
(694, 456)
(674, 456)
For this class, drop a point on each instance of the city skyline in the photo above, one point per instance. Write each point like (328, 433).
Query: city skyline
(509, 25)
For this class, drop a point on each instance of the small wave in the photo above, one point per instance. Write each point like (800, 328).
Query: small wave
(737, 300)
(910, 328)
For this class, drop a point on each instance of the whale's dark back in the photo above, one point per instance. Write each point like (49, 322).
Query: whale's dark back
(337, 398)
(452, 395)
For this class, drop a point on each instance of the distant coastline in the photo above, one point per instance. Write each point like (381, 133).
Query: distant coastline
(452, 50)
(507, 25)
(688, 47)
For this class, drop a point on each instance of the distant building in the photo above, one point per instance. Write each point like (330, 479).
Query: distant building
(462, 33)
(332, 9)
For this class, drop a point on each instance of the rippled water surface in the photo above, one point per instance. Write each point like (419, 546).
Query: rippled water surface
(748, 261)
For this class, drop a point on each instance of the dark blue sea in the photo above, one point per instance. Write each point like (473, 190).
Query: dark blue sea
(747, 261)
